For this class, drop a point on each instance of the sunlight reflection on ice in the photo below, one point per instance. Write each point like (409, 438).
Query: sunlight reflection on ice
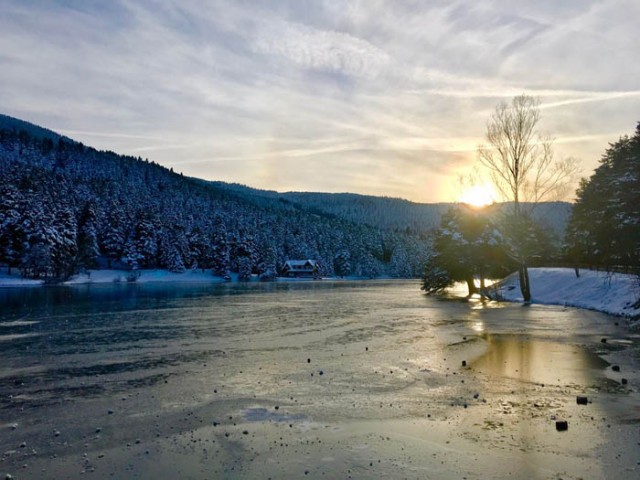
(478, 327)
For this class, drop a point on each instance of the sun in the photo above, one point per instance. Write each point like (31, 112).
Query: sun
(478, 196)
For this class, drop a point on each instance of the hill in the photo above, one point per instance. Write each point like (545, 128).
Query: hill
(380, 212)
(65, 206)
(388, 213)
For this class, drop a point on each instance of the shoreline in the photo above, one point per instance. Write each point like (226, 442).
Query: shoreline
(611, 293)
(104, 277)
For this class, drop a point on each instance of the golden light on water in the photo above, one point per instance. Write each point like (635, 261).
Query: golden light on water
(479, 195)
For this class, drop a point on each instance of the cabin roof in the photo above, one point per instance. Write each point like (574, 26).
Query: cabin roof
(298, 263)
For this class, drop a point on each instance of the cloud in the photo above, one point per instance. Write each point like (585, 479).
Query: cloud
(374, 96)
(322, 50)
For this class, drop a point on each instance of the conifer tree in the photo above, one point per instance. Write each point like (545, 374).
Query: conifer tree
(604, 228)
(88, 250)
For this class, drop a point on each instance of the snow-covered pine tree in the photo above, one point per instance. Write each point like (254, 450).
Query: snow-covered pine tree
(243, 253)
(604, 228)
(88, 250)
(131, 258)
(12, 236)
(170, 257)
(145, 239)
(220, 255)
(64, 248)
(342, 263)
(267, 269)
(113, 235)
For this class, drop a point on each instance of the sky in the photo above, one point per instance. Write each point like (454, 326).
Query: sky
(372, 96)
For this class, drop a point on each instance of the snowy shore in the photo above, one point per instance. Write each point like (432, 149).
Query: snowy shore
(143, 276)
(613, 293)
(115, 276)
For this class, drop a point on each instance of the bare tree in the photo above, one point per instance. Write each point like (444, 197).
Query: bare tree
(521, 164)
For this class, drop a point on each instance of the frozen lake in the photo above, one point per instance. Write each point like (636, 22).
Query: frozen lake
(309, 380)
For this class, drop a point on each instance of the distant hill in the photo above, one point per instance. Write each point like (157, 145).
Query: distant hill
(385, 212)
(380, 212)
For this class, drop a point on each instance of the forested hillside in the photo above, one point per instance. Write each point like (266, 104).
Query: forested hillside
(380, 212)
(390, 213)
(65, 206)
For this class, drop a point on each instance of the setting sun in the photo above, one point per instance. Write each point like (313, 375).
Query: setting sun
(478, 196)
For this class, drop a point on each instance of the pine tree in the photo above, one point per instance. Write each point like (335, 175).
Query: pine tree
(342, 263)
(131, 258)
(62, 241)
(12, 236)
(243, 253)
(435, 277)
(199, 249)
(170, 257)
(244, 268)
(220, 257)
(605, 223)
(37, 257)
(88, 250)
(146, 241)
(114, 233)
(267, 265)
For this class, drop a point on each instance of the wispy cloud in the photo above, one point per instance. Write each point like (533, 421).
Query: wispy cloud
(107, 134)
(379, 96)
(316, 49)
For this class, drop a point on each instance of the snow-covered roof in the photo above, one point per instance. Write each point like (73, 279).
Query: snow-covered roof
(300, 263)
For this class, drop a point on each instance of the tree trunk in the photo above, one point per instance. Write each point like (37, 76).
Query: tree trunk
(483, 287)
(525, 286)
(471, 286)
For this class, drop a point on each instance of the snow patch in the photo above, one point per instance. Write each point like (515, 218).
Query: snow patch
(143, 276)
(613, 293)
(116, 276)
(15, 280)
(154, 275)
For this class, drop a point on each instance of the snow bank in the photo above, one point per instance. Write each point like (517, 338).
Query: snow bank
(613, 293)
(143, 276)
(15, 280)
(111, 276)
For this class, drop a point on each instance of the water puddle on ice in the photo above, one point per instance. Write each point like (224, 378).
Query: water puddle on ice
(538, 361)
(264, 415)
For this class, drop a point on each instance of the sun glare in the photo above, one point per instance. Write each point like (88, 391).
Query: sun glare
(478, 196)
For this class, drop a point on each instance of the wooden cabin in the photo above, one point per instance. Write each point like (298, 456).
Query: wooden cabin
(300, 268)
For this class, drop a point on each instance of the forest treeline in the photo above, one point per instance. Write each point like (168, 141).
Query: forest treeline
(65, 207)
